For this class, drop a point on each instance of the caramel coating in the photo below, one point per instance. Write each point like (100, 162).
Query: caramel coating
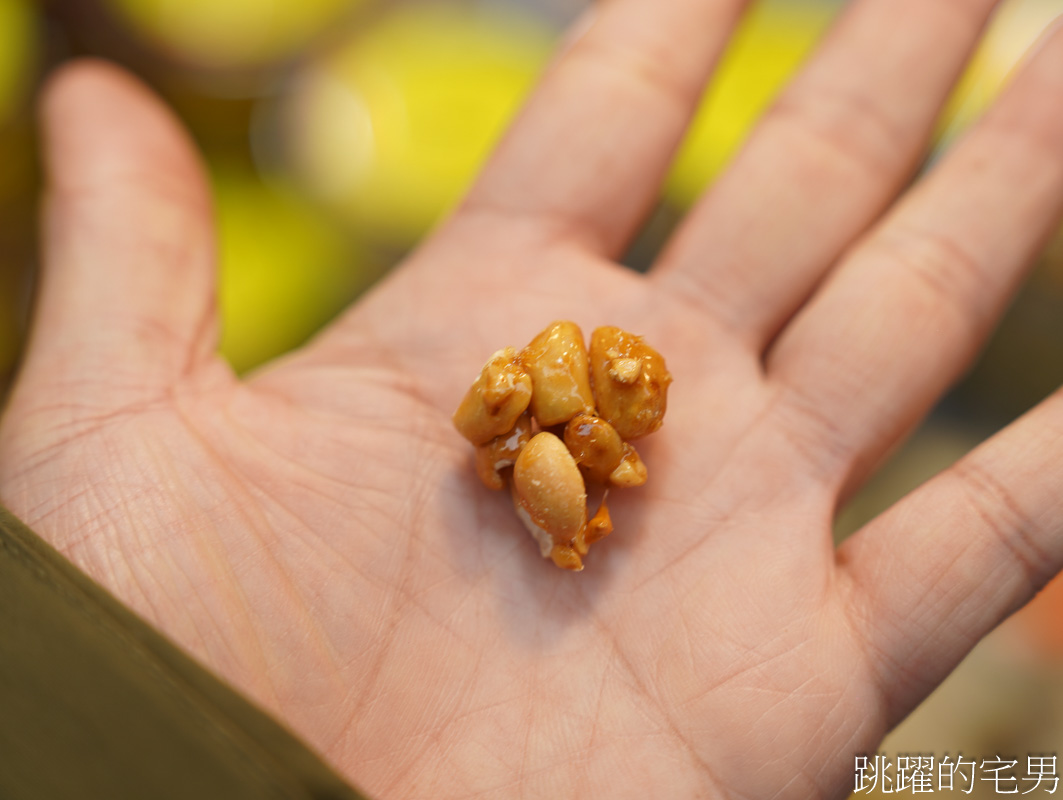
(502, 452)
(595, 445)
(598, 527)
(498, 396)
(566, 557)
(630, 382)
(556, 360)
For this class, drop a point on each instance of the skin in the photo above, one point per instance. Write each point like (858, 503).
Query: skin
(316, 535)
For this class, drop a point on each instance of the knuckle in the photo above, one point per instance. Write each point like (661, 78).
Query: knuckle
(845, 125)
(943, 274)
(1006, 521)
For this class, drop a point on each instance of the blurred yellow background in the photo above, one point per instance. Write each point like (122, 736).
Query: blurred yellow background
(338, 132)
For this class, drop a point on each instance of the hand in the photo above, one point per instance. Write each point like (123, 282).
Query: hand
(316, 535)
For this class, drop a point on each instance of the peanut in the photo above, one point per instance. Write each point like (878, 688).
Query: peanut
(499, 395)
(630, 382)
(549, 488)
(595, 445)
(556, 360)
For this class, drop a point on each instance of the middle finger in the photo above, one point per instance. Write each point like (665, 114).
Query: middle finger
(909, 307)
(826, 160)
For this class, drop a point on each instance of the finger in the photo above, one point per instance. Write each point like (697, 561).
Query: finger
(126, 297)
(909, 308)
(938, 571)
(585, 158)
(825, 161)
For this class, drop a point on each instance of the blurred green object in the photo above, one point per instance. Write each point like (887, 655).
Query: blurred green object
(770, 44)
(98, 705)
(1014, 29)
(10, 328)
(19, 43)
(285, 270)
(226, 34)
(390, 127)
(20, 62)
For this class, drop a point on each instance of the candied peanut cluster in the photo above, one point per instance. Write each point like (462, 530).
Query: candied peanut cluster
(559, 417)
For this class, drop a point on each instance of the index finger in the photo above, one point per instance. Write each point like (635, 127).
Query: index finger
(585, 158)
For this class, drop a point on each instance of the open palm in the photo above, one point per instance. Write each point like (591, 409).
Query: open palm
(316, 534)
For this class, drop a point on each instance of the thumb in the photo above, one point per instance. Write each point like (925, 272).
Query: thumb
(125, 304)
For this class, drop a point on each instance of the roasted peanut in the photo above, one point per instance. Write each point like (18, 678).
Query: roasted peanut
(630, 382)
(556, 360)
(585, 406)
(502, 452)
(549, 493)
(499, 395)
(595, 445)
(631, 471)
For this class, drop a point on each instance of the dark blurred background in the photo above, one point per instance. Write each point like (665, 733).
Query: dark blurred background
(337, 132)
